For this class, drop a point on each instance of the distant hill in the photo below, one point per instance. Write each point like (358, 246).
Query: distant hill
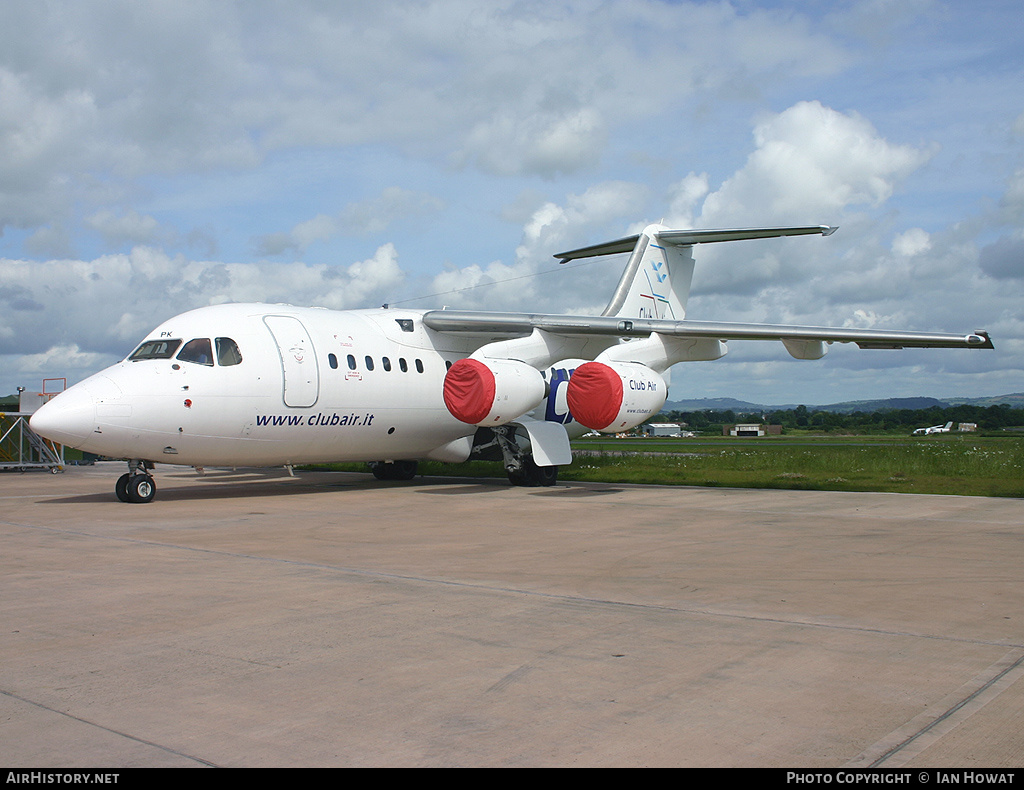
(718, 404)
(1015, 400)
(886, 404)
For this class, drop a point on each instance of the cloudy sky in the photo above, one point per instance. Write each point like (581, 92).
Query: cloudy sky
(160, 156)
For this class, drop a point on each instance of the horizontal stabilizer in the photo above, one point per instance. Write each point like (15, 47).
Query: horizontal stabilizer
(687, 237)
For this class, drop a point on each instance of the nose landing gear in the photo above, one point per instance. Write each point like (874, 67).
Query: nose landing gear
(137, 485)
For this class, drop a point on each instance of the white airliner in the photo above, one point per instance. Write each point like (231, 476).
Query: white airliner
(275, 385)
(934, 429)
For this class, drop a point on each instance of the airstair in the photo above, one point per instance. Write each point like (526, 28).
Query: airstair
(21, 448)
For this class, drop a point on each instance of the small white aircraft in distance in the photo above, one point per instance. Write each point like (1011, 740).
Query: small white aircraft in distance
(934, 429)
(276, 385)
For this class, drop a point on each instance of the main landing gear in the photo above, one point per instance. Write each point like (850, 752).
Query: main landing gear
(531, 475)
(520, 467)
(137, 485)
(393, 470)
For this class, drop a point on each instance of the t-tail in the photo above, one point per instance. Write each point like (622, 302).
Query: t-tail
(656, 281)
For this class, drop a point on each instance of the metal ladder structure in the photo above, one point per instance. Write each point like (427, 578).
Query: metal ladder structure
(22, 448)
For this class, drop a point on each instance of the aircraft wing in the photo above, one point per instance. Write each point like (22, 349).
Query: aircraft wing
(516, 324)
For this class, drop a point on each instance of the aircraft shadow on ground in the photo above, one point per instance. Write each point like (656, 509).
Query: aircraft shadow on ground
(242, 485)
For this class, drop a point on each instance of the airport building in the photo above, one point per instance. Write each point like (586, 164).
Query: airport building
(751, 429)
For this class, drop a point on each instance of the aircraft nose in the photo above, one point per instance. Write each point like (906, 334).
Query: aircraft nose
(70, 418)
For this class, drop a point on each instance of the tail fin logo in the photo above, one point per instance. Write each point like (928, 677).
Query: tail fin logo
(654, 302)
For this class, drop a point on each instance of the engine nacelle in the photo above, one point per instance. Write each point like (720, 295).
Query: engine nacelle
(492, 391)
(614, 396)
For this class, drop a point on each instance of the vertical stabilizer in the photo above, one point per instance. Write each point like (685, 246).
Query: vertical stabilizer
(656, 281)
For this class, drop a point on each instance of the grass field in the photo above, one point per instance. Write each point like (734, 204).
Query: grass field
(975, 466)
(950, 464)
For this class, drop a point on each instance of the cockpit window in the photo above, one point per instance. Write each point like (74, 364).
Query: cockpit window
(227, 352)
(198, 351)
(155, 349)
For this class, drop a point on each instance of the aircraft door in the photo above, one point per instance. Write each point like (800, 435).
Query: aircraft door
(298, 360)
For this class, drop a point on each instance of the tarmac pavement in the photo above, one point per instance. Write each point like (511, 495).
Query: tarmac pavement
(248, 618)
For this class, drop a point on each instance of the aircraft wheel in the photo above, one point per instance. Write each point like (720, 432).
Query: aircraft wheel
(141, 488)
(405, 470)
(121, 488)
(399, 470)
(547, 475)
(532, 476)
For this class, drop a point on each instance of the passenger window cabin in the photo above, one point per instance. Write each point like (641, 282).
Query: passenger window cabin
(370, 364)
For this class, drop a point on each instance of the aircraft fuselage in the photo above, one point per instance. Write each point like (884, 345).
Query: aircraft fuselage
(277, 385)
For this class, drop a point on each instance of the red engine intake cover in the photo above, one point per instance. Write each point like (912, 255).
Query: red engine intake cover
(594, 395)
(469, 390)
(614, 396)
(493, 391)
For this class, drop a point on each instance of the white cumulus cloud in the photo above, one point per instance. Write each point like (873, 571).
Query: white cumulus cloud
(812, 160)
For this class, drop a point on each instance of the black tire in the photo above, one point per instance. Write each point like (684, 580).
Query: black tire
(547, 475)
(405, 470)
(121, 487)
(141, 489)
(398, 470)
(533, 476)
